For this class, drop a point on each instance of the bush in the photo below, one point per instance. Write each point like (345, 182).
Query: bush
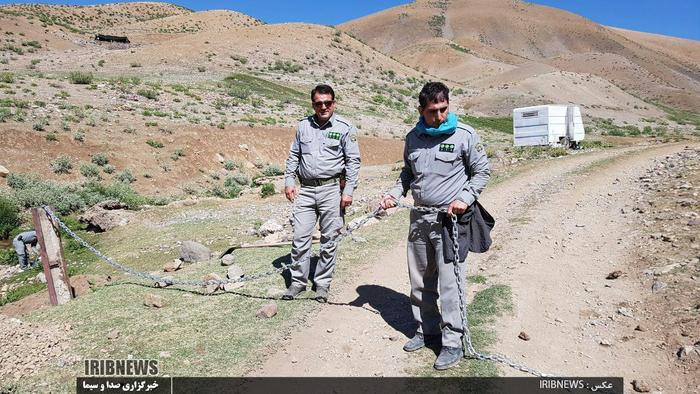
(61, 165)
(8, 257)
(154, 143)
(239, 178)
(80, 78)
(100, 159)
(7, 77)
(40, 124)
(9, 216)
(267, 190)
(108, 168)
(272, 170)
(90, 170)
(148, 93)
(231, 190)
(30, 191)
(230, 165)
(126, 176)
(178, 153)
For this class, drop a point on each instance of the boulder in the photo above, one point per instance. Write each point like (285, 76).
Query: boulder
(269, 227)
(105, 216)
(4, 172)
(152, 300)
(227, 260)
(212, 287)
(192, 252)
(267, 311)
(234, 272)
(173, 265)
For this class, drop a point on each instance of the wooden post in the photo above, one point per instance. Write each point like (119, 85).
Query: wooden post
(48, 236)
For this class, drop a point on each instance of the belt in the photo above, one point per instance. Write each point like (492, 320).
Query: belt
(319, 181)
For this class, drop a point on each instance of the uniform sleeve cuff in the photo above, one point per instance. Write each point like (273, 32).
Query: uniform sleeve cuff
(288, 182)
(395, 194)
(348, 191)
(467, 198)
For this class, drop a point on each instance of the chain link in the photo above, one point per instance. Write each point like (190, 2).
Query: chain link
(467, 345)
(197, 282)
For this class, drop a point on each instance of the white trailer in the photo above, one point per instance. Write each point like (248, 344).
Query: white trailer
(548, 125)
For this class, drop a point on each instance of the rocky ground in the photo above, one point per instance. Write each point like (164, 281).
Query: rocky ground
(28, 347)
(668, 264)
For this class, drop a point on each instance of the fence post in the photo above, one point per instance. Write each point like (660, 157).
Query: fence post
(48, 236)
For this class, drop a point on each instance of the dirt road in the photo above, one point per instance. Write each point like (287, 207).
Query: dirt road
(561, 228)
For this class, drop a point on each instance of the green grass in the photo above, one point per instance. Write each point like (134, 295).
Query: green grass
(681, 116)
(503, 124)
(215, 335)
(267, 89)
(487, 305)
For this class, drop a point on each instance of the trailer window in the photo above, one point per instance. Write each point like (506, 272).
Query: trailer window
(531, 114)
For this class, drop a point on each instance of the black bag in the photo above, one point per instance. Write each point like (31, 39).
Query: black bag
(474, 228)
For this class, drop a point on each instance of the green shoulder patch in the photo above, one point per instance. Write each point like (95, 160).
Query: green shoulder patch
(479, 147)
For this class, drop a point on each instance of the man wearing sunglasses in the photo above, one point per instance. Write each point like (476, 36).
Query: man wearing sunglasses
(323, 154)
(445, 166)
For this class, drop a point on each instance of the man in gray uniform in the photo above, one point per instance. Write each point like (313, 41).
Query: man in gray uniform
(20, 243)
(445, 166)
(324, 150)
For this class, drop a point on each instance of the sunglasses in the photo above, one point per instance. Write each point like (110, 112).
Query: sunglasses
(321, 104)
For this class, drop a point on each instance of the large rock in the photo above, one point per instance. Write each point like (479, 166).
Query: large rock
(269, 227)
(234, 272)
(228, 260)
(193, 252)
(267, 311)
(173, 265)
(212, 287)
(106, 216)
(153, 301)
(4, 172)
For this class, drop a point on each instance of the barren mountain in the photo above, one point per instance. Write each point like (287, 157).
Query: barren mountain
(477, 41)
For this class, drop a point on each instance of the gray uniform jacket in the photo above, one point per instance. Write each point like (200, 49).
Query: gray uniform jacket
(324, 152)
(442, 169)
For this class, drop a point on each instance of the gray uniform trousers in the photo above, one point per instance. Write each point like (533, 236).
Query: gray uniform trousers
(432, 280)
(312, 203)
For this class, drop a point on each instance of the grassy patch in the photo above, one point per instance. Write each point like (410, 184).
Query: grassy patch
(486, 306)
(680, 116)
(504, 124)
(215, 335)
(21, 292)
(538, 152)
(268, 89)
(80, 78)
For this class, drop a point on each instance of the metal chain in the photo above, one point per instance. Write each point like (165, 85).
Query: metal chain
(197, 282)
(467, 345)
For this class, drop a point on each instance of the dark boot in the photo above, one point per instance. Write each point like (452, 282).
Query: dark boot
(448, 358)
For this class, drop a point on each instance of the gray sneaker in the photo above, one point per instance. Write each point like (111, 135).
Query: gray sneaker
(415, 343)
(322, 295)
(448, 358)
(292, 292)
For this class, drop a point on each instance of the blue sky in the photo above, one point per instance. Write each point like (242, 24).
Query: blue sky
(679, 18)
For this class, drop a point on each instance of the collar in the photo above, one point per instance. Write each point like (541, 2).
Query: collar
(329, 123)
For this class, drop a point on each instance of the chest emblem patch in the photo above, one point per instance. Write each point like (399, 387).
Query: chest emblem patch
(447, 147)
(333, 135)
